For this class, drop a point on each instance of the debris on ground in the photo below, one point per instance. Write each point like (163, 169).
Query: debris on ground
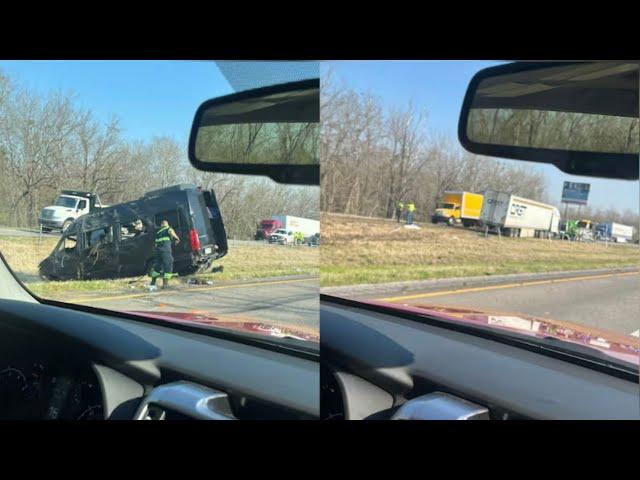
(198, 281)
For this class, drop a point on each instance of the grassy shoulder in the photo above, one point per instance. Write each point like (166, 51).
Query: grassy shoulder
(243, 262)
(359, 250)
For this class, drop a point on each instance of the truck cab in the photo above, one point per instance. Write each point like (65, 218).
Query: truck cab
(266, 227)
(446, 212)
(70, 205)
(282, 237)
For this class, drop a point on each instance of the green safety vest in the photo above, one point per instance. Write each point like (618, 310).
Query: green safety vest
(162, 236)
(411, 207)
(400, 206)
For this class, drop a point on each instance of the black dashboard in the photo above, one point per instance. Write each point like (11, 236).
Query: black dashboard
(62, 363)
(397, 360)
(48, 388)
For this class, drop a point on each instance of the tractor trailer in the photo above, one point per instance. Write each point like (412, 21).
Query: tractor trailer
(614, 232)
(517, 216)
(290, 226)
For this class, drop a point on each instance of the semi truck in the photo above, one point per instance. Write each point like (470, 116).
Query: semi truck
(614, 232)
(579, 230)
(267, 227)
(70, 205)
(516, 216)
(458, 207)
(290, 225)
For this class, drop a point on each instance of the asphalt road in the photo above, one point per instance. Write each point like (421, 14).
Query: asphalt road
(288, 300)
(607, 301)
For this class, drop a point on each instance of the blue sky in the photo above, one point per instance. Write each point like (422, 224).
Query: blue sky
(439, 86)
(151, 98)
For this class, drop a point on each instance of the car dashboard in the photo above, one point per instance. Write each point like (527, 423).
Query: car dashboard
(406, 369)
(37, 387)
(63, 364)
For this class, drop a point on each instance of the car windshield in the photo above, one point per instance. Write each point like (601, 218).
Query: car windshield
(173, 243)
(68, 202)
(519, 256)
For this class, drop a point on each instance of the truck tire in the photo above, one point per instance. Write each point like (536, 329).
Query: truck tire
(468, 223)
(451, 221)
(66, 224)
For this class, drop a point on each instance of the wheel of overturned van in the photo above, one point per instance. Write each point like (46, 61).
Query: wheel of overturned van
(66, 224)
(451, 221)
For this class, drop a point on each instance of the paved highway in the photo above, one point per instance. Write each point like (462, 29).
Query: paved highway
(287, 300)
(609, 301)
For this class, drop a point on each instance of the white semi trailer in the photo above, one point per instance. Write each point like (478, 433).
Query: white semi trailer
(614, 232)
(517, 216)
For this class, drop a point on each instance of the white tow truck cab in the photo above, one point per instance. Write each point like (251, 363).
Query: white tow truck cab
(69, 205)
(281, 236)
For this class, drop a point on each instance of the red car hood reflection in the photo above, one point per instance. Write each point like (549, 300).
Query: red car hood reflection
(621, 347)
(236, 323)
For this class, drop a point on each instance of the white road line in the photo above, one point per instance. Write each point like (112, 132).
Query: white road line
(636, 333)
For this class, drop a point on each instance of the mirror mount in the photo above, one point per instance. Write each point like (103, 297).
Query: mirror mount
(293, 103)
(596, 91)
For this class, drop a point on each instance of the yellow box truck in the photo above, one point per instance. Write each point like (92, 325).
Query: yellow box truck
(456, 207)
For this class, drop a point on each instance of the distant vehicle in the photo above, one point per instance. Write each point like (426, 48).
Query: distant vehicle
(456, 207)
(519, 217)
(266, 228)
(614, 232)
(70, 205)
(578, 230)
(314, 240)
(282, 237)
(290, 225)
(118, 241)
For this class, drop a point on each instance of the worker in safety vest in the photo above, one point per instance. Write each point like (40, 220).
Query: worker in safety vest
(411, 208)
(163, 258)
(399, 208)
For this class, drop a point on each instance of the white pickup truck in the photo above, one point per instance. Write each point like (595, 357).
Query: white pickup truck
(69, 205)
(282, 237)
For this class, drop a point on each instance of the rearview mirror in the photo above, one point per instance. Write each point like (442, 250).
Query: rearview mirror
(272, 131)
(581, 117)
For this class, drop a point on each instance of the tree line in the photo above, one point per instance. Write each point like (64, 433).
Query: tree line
(374, 156)
(49, 143)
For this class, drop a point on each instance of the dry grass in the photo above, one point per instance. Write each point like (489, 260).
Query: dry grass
(359, 250)
(243, 262)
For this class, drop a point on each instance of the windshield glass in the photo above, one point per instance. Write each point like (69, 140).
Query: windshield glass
(67, 202)
(449, 206)
(120, 130)
(519, 260)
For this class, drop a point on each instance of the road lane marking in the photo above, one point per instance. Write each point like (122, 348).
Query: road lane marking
(203, 289)
(506, 285)
(636, 333)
